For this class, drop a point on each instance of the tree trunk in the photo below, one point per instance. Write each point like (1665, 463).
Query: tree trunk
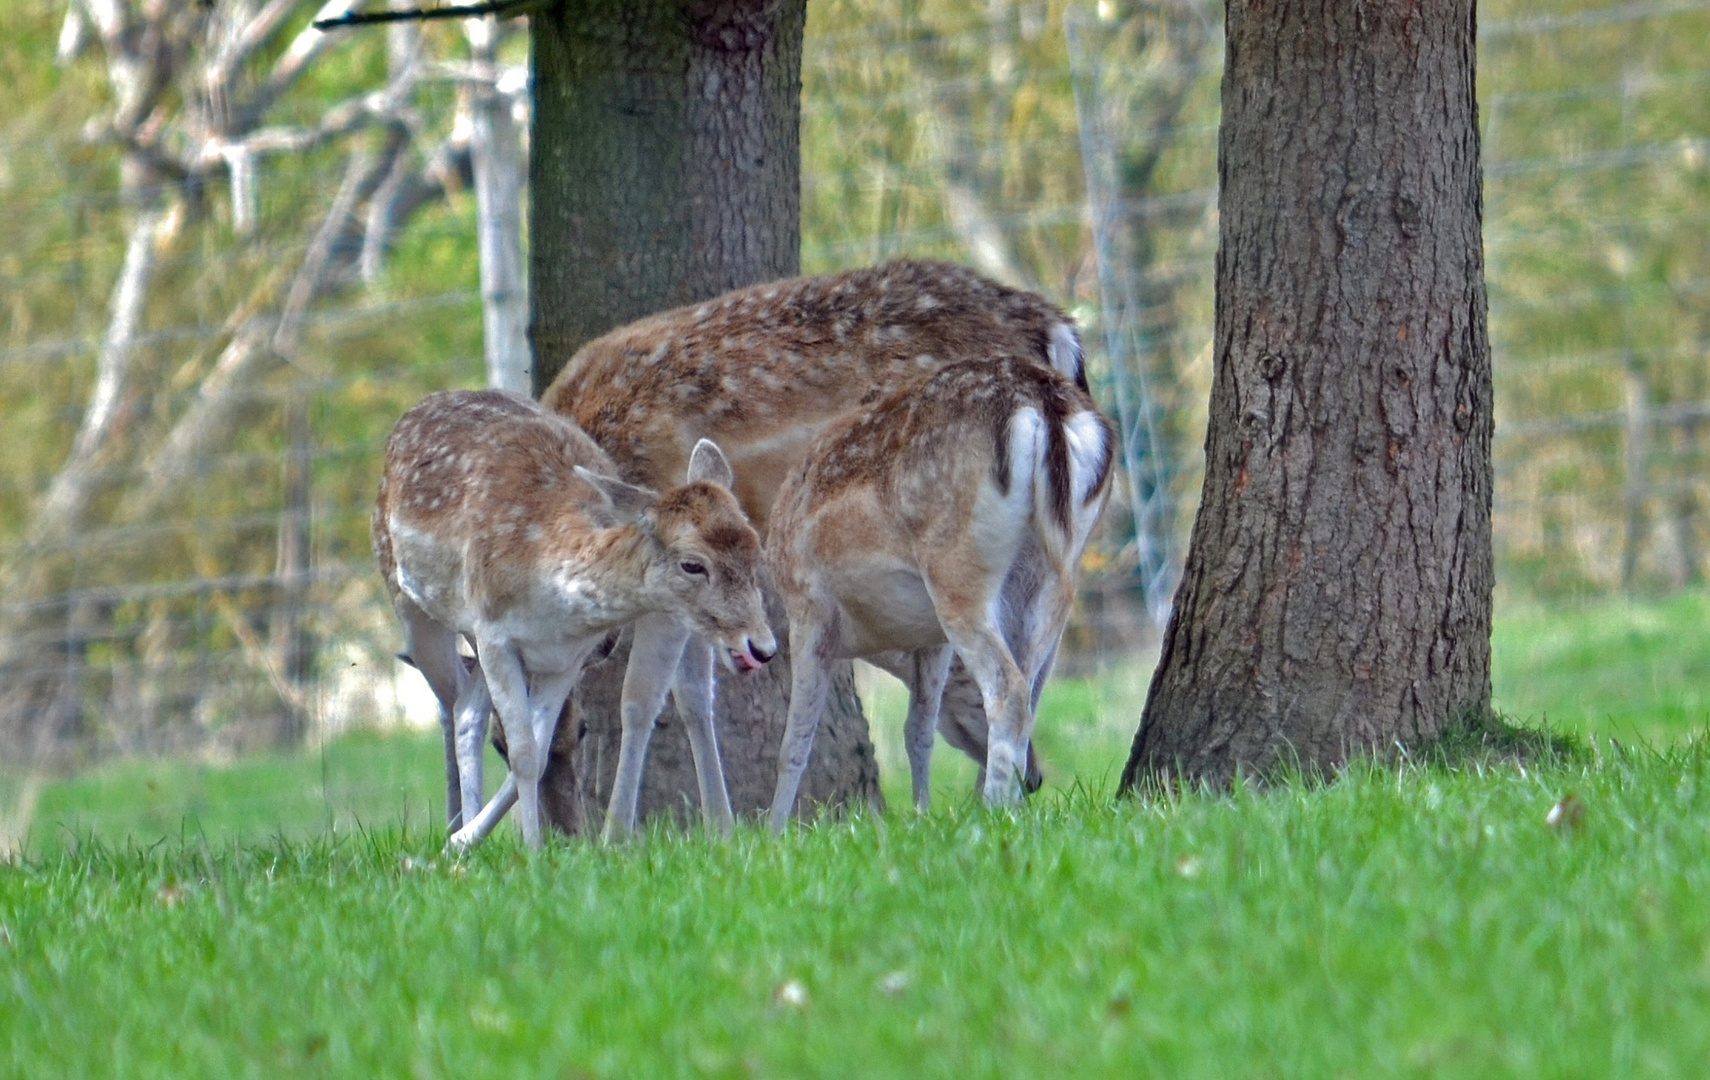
(667, 162)
(665, 169)
(1337, 592)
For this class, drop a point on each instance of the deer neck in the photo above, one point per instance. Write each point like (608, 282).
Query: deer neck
(600, 580)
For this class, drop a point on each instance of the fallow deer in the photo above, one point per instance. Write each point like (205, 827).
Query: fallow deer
(949, 516)
(764, 370)
(502, 521)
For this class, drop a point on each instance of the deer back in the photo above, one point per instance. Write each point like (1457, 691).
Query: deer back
(480, 497)
(914, 470)
(493, 510)
(763, 371)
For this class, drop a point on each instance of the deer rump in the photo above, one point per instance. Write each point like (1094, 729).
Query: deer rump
(951, 515)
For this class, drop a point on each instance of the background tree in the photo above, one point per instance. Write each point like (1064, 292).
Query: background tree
(1337, 593)
(206, 106)
(666, 169)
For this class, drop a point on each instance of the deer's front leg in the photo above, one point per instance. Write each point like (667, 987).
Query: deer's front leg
(812, 640)
(654, 653)
(693, 692)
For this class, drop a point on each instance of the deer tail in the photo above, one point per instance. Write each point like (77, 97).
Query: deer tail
(1063, 351)
(1070, 478)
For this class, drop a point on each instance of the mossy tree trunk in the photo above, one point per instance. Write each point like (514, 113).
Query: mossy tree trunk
(1337, 592)
(666, 169)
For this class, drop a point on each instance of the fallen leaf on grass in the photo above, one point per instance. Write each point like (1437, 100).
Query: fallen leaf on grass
(1567, 815)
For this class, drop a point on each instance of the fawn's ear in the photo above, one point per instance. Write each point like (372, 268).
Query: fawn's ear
(708, 463)
(627, 502)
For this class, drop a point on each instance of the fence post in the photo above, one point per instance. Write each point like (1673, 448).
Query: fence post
(1638, 448)
(495, 152)
(1685, 508)
(293, 649)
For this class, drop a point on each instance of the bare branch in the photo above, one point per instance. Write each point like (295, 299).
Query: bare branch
(312, 276)
(110, 18)
(303, 50)
(72, 34)
(68, 498)
(243, 41)
(987, 246)
(253, 351)
(383, 205)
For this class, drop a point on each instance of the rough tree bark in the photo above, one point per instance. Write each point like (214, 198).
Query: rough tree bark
(1337, 592)
(666, 165)
(665, 169)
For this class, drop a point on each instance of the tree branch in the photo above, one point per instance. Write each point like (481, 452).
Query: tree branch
(68, 498)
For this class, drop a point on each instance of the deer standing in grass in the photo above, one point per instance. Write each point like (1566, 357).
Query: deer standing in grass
(949, 516)
(764, 370)
(501, 521)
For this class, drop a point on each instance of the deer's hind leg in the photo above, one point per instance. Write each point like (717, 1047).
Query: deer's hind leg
(474, 704)
(924, 672)
(969, 606)
(528, 704)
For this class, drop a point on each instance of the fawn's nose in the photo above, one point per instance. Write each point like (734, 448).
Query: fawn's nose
(759, 653)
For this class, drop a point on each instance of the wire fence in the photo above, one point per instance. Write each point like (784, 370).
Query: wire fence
(1065, 147)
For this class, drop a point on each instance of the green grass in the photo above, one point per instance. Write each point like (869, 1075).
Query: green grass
(363, 779)
(1625, 669)
(1413, 922)
(294, 915)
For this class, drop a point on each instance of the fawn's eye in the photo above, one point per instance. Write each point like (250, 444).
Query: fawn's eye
(690, 566)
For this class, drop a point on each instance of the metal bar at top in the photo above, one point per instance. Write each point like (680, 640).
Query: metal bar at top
(459, 11)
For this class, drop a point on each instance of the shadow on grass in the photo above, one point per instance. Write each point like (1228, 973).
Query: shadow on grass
(1481, 736)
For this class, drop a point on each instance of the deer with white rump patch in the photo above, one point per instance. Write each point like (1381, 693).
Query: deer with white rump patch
(950, 516)
(502, 521)
(764, 370)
